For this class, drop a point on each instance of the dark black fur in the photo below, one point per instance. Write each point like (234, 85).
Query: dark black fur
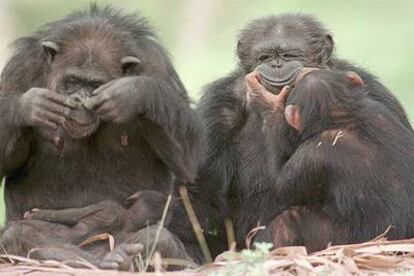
(239, 163)
(158, 143)
(350, 176)
(68, 228)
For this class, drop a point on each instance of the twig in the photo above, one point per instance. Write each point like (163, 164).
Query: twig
(195, 224)
(157, 235)
(253, 233)
(230, 234)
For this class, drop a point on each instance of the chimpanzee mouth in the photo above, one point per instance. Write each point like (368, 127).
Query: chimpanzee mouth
(82, 124)
(78, 131)
(279, 82)
(273, 79)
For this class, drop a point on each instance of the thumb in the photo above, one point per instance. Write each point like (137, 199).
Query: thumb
(282, 96)
(252, 82)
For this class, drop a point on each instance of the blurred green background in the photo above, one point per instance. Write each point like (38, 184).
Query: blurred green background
(201, 35)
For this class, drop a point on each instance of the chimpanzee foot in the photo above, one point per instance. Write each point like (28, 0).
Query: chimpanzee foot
(122, 257)
(30, 214)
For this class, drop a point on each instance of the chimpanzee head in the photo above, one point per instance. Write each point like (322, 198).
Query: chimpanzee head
(279, 46)
(145, 207)
(323, 99)
(86, 50)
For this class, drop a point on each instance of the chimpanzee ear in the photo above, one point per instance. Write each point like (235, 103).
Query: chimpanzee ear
(132, 199)
(239, 49)
(354, 78)
(130, 65)
(292, 117)
(327, 49)
(50, 48)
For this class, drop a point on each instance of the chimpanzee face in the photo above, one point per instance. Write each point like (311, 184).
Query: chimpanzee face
(281, 49)
(82, 62)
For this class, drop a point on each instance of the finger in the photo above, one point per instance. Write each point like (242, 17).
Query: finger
(98, 90)
(50, 117)
(252, 81)
(133, 248)
(109, 265)
(56, 108)
(283, 94)
(253, 74)
(95, 102)
(41, 121)
(63, 100)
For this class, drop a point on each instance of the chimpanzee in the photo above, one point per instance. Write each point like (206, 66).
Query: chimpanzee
(239, 162)
(350, 175)
(92, 109)
(47, 230)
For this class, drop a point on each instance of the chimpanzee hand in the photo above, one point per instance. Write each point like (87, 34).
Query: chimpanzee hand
(117, 101)
(122, 257)
(43, 108)
(259, 98)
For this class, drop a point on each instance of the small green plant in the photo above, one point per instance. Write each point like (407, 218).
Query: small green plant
(249, 262)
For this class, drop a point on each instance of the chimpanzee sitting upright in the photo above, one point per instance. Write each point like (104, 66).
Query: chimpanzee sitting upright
(350, 175)
(99, 85)
(239, 165)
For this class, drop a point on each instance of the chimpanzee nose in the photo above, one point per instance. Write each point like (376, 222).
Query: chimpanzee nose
(76, 97)
(81, 95)
(279, 63)
(276, 63)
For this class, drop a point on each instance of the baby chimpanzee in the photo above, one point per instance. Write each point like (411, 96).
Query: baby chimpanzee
(350, 171)
(68, 228)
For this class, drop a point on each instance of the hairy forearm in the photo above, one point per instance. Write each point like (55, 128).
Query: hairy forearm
(169, 119)
(13, 148)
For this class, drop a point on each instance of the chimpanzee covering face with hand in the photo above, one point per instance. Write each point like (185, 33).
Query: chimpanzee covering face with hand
(91, 109)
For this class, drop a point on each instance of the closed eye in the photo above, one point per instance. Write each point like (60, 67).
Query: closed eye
(264, 57)
(292, 55)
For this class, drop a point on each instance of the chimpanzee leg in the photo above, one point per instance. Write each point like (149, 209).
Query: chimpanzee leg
(167, 245)
(70, 216)
(45, 241)
(301, 226)
(70, 254)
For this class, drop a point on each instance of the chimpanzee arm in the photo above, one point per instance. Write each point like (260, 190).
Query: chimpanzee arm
(302, 179)
(19, 74)
(158, 105)
(172, 129)
(70, 216)
(14, 143)
(223, 114)
(25, 103)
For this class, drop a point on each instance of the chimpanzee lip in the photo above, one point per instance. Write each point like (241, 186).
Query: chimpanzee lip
(280, 83)
(78, 130)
